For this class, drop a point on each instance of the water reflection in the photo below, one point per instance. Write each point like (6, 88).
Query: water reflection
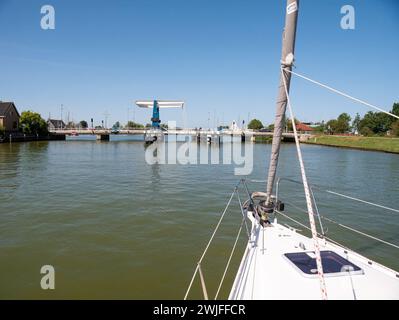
(108, 220)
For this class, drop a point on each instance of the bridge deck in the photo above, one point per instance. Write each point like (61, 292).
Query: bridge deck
(176, 132)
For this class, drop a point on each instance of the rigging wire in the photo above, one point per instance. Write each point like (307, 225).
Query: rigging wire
(231, 255)
(346, 227)
(209, 242)
(344, 94)
(334, 193)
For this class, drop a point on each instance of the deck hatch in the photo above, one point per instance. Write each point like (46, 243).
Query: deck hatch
(333, 263)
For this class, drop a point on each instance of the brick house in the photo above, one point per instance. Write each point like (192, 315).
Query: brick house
(9, 117)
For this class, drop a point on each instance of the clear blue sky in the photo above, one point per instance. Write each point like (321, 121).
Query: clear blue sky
(220, 56)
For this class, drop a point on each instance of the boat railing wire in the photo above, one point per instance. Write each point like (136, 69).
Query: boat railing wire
(324, 217)
(322, 234)
(198, 270)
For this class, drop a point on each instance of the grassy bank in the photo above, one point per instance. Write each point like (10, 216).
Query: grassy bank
(263, 139)
(365, 143)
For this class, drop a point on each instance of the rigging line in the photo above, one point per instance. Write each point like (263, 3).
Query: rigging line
(209, 242)
(307, 194)
(347, 227)
(306, 227)
(228, 262)
(362, 233)
(344, 94)
(329, 239)
(317, 210)
(243, 214)
(344, 196)
(364, 201)
(297, 222)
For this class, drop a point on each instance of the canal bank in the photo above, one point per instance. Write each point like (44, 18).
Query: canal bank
(31, 137)
(382, 144)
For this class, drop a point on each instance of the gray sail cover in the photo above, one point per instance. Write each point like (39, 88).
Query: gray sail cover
(281, 104)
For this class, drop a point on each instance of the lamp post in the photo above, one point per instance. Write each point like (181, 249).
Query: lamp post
(62, 108)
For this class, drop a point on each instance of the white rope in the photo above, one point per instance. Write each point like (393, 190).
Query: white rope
(308, 197)
(209, 243)
(344, 94)
(228, 262)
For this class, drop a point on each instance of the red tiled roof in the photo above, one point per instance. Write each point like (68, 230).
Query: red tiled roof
(303, 127)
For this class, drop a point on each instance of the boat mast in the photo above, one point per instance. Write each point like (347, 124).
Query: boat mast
(287, 59)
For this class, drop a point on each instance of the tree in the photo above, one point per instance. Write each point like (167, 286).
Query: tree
(356, 123)
(116, 125)
(32, 123)
(395, 128)
(320, 128)
(332, 126)
(375, 123)
(395, 109)
(339, 125)
(71, 125)
(83, 124)
(255, 124)
(343, 123)
(2, 131)
(133, 125)
(288, 124)
(270, 127)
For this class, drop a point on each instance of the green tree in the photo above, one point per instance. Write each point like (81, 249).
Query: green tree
(2, 131)
(116, 125)
(288, 124)
(395, 128)
(343, 123)
(395, 109)
(83, 124)
(32, 123)
(339, 125)
(356, 123)
(133, 125)
(375, 123)
(71, 125)
(255, 124)
(331, 126)
(320, 127)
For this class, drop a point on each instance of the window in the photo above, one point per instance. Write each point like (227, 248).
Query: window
(333, 263)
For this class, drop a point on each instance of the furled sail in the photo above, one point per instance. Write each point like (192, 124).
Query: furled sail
(287, 59)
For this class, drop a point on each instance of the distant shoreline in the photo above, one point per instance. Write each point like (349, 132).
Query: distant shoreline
(30, 138)
(380, 144)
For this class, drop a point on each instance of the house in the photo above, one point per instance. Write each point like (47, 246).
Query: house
(53, 124)
(9, 116)
(303, 128)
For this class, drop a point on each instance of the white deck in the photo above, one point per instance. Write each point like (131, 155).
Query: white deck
(265, 273)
